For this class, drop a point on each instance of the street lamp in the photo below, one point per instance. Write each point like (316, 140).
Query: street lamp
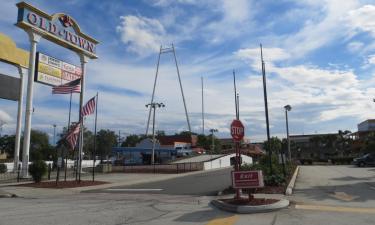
(154, 105)
(212, 139)
(54, 134)
(2, 123)
(288, 108)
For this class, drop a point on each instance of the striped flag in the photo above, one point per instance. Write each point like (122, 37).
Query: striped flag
(89, 107)
(72, 136)
(71, 87)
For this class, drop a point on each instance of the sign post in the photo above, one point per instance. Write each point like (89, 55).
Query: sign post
(60, 29)
(237, 130)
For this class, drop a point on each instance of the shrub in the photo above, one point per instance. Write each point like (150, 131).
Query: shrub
(3, 168)
(276, 178)
(37, 170)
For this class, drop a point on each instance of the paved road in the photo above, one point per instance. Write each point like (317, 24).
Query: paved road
(207, 183)
(314, 186)
(346, 186)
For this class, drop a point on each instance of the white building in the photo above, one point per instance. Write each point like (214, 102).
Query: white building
(215, 161)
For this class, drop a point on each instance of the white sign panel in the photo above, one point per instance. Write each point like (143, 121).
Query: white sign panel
(54, 72)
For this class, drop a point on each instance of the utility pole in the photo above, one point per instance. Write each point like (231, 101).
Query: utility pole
(153, 106)
(54, 134)
(202, 108)
(288, 108)
(266, 108)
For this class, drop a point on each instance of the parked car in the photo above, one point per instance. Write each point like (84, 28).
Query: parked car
(365, 160)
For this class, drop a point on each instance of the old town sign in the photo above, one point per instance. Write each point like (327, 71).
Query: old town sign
(58, 28)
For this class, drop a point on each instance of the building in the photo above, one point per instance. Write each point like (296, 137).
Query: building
(184, 144)
(141, 153)
(253, 150)
(367, 126)
(215, 161)
(167, 148)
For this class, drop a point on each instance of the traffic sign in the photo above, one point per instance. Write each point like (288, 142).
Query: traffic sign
(237, 130)
(247, 179)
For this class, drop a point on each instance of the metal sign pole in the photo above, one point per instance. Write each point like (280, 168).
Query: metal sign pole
(84, 60)
(34, 39)
(19, 118)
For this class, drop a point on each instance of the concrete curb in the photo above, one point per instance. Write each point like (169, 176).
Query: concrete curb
(289, 189)
(4, 194)
(282, 203)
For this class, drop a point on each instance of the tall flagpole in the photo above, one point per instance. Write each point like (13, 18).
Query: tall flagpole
(84, 60)
(66, 152)
(94, 151)
(202, 108)
(268, 147)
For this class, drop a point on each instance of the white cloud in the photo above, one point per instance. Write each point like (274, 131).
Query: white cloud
(269, 54)
(336, 93)
(363, 19)
(355, 46)
(321, 30)
(371, 59)
(4, 118)
(142, 35)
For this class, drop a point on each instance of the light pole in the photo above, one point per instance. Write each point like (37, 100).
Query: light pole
(288, 108)
(266, 108)
(54, 134)
(154, 105)
(212, 139)
(2, 123)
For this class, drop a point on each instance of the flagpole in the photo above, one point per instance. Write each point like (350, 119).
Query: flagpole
(94, 151)
(66, 152)
(83, 60)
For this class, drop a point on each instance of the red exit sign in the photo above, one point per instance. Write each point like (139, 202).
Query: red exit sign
(247, 179)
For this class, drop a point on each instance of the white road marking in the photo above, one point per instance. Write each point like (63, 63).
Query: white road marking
(135, 190)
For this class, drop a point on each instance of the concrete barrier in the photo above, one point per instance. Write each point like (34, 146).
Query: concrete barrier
(289, 189)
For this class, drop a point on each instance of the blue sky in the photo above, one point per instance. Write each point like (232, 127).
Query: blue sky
(319, 54)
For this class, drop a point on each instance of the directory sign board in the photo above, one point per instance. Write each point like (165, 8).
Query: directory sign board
(54, 72)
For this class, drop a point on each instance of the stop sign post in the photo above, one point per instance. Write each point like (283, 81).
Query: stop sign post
(237, 130)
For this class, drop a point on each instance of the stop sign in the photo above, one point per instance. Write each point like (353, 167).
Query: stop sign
(237, 130)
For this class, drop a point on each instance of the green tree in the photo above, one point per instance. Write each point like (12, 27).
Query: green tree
(7, 143)
(206, 143)
(185, 133)
(105, 139)
(40, 147)
(275, 145)
(159, 133)
(131, 140)
(369, 143)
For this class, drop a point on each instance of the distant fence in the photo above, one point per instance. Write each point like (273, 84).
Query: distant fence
(160, 168)
(15, 176)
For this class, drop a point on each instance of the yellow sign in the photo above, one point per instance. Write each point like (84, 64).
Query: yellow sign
(9, 52)
(49, 70)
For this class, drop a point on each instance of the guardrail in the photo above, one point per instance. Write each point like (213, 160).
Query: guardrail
(160, 168)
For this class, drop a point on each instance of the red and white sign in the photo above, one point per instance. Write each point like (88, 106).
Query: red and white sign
(237, 130)
(247, 179)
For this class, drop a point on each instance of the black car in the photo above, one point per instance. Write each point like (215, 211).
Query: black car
(365, 160)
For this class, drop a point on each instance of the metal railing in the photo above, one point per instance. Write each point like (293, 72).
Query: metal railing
(160, 168)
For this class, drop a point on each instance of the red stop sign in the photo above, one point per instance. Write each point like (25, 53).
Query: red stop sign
(237, 130)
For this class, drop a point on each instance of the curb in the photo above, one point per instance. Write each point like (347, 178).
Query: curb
(282, 203)
(289, 189)
(7, 195)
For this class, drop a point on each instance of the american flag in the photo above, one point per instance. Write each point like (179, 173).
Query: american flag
(71, 87)
(89, 107)
(72, 136)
